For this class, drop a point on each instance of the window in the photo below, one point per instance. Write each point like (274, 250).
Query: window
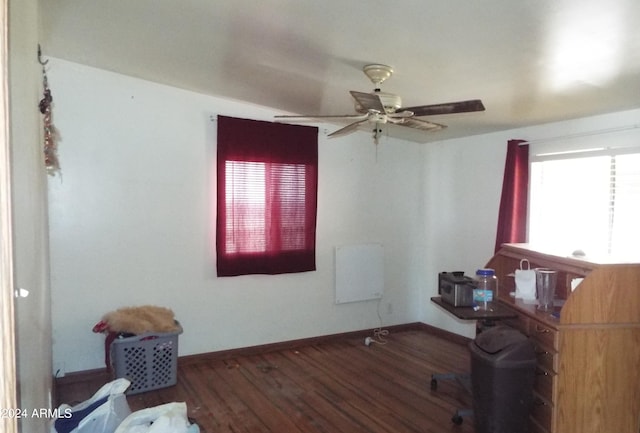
(586, 200)
(266, 204)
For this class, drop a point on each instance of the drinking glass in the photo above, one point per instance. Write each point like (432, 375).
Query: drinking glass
(546, 280)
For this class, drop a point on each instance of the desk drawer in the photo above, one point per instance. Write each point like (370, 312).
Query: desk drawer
(544, 384)
(546, 358)
(543, 334)
(542, 412)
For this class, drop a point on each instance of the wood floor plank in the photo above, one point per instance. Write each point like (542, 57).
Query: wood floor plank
(355, 403)
(317, 395)
(337, 386)
(290, 396)
(217, 408)
(403, 405)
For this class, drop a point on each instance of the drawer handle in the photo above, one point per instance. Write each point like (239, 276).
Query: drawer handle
(541, 372)
(542, 330)
(539, 402)
(542, 352)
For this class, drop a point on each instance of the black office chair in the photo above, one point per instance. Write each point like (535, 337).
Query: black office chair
(464, 379)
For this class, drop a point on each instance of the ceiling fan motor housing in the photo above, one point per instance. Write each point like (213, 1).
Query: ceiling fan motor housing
(378, 73)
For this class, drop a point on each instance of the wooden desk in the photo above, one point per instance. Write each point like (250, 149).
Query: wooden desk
(588, 353)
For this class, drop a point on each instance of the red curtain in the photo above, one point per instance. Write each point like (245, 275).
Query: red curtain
(267, 176)
(512, 217)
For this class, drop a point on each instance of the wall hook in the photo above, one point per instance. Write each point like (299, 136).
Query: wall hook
(40, 57)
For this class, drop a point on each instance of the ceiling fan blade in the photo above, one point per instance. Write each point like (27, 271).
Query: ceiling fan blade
(313, 116)
(423, 125)
(368, 101)
(347, 129)
(447, 108)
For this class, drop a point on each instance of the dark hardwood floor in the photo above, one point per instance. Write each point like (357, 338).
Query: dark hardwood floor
(333, 386)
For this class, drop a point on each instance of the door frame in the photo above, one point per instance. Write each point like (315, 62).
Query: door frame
(8, 382)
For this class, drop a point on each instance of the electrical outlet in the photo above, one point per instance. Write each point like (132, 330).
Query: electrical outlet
(389, 308)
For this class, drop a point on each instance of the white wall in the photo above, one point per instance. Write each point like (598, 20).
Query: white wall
(29, 205)
(463, 185)
(131, 221)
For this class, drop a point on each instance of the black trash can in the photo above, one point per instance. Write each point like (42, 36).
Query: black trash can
(503, 364)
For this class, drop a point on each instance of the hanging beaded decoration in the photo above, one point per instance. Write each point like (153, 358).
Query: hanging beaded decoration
(50, 146)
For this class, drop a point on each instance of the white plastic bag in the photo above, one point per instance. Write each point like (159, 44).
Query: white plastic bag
(102, 413)
(526, 282)
(166, 418)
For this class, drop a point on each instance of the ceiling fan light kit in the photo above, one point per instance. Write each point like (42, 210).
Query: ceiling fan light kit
(380, 108)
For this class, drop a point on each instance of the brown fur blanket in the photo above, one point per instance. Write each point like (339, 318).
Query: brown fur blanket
(138, 320)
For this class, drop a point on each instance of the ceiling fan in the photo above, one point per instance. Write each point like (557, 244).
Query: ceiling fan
(380, 108)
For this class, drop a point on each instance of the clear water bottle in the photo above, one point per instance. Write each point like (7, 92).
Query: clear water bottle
(486, 287)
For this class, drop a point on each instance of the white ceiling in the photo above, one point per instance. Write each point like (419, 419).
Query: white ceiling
(530, 61)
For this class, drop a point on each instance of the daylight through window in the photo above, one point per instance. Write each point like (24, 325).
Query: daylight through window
(588, 201)
(249, 215)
